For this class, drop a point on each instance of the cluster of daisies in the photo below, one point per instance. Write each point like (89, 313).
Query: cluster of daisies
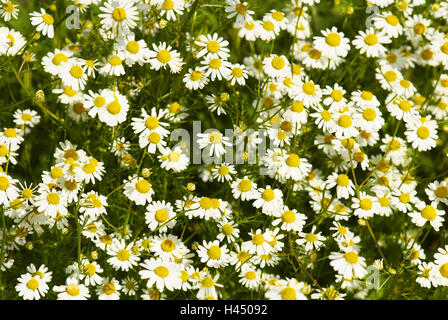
(345, 153)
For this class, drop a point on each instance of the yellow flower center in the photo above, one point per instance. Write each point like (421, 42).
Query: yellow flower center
(164, 56)
(268, 195)
(441, 192)
(333, 39)
(258, 239)
(369, 114)
(213, 46)
(288, 294)
(123, 255)
(114, 107)
(76, 72)
(119, 14)
(162, 271)
(109, 288)
(32, 284)
(133, 47)
(365, 204)
(371, 39)
(311, 237)
(342, 180)
(53, 198)
(245, 185)
(419, 28)
(345, 121)
(293, 160)
(208, 282)
(72, 289)
(404, 198)
(288, 216)
(308, 88)
(268, 25)
(423, 132)
(215, 63)
(168, 5)
(215, 137)
(227, 229)
(444, 270)
(214, 252)
(278, 63)
(167, 245)
(351, 257)
(48, 19)
(196, 75)
(10, 133)
(89, 269)
(59, 58)
(390, 76)
(161, 215)
(392, 20)
(142, 186)
(429, 213)
(99, 102)
(237, 72)
(115, 61)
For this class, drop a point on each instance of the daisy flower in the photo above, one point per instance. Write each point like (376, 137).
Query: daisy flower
(333, 43)
(118, 16)
(371, 42)
(250, 277)
(288, 289)
(239, 10)
(109, 289)
(195, 78)
(31, 287)
(174, 159)
(238, 74)
(11, 136)
(170, 8)
(427, 213)
(73, 74)
(229, 230)
(217, 68)
(307, 92)
(344, 186)
(8, 10)
(135, 51)
(422, 134)
(259, 243)
(123, 257)
(348, 264)
(214, 142)
(276, 66)
(268, 29)
(213, 254)
(294, 167)
(438, 191)
(269, 200)
(222, 172)
(162, 56)
(44, 22)
(113, 66)
(364, 207)
(129, 286)
(212, 46)
(244, 188)
(72, 290)
(164, 274)
(311, 239)
(138, 190)
(160, 214)
(388, 23)
(290, 220)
